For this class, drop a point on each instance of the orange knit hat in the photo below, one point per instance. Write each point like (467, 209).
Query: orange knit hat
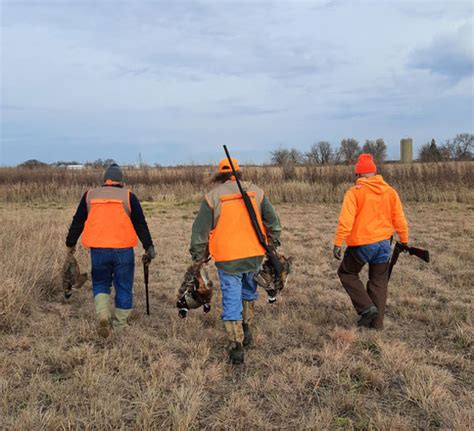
(224, 166)
(365, 165)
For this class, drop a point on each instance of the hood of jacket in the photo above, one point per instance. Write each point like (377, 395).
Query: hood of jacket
(376, 184)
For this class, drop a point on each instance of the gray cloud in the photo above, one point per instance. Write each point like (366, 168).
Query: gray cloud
(450, 54)
(175, 79)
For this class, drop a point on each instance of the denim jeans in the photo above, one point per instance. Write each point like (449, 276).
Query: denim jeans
(117, 266)
(378, 252)
(235, 289)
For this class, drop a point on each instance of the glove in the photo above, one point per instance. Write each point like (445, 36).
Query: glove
(337, 252)
(149, 255)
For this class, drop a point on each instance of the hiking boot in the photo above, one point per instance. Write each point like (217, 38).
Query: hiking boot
(367, 317)
(247, 335)
(236, 354)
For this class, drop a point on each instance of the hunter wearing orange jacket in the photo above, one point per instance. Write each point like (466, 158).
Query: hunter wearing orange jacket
(371, 211)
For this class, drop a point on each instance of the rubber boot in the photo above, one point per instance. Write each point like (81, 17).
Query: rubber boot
(120, 320)
(248, 313)
(102, 311)
(235, 334)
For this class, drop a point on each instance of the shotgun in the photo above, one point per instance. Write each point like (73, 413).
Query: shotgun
(270, 250)
(146, 274)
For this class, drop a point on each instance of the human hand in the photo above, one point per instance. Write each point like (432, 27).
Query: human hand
(149, 255)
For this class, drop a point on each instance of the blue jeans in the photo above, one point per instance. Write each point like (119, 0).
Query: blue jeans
(235, 289)
(378, 252)
(115, 265)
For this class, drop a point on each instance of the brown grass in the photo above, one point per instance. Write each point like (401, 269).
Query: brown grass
(433, 182)
(309, 369)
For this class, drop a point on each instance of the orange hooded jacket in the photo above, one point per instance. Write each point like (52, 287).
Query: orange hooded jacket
(370, 212)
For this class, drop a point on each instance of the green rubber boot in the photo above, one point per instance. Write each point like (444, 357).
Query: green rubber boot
(120, 320)
(102, 311)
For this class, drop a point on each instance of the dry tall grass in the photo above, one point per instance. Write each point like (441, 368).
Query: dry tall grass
(433, 182)
(309, 368)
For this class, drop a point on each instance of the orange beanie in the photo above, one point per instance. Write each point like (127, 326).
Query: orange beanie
(365, 165)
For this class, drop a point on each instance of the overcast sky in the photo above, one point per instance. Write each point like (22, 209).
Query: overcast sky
(174, 80)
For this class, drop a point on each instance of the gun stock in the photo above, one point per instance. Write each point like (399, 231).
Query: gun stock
(420, 253)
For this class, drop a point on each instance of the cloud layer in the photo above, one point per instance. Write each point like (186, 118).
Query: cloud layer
(175, 80)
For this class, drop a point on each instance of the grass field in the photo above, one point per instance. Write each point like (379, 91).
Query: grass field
(309, 368)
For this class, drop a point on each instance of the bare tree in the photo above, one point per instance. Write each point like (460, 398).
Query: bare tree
(320, 154)
(349, 150)
(463, 145)
(285, 156)
(377, 149)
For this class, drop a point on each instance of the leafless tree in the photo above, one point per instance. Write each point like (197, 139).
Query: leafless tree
(377, 149)
(320, 154)
(349, 150)
(284, 156)
(463, 146)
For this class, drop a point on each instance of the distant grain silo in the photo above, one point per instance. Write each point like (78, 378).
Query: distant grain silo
(406, 150)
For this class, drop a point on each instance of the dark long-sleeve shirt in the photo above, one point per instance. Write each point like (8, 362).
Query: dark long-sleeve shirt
(136, 215)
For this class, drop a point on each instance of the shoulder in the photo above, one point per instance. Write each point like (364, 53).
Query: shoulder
(352, 191)
(217, 191)
(253, 187)
(393, 193)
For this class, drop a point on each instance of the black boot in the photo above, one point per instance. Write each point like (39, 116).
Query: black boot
(367, 317)
(236, 354)
(248, 339)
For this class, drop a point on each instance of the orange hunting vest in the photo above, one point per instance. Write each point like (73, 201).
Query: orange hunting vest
(108, 222)
(233, 236)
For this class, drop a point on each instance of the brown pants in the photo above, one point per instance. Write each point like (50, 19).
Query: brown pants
(376, 292)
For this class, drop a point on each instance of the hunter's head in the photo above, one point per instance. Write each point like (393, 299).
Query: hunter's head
(113, 175)
(365, 166)
(224, 171)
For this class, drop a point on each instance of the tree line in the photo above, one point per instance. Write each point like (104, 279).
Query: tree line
(460, 148)
(33, 163)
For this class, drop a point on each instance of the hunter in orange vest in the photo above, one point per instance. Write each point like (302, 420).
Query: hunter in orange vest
(223, 231)
(109, 219)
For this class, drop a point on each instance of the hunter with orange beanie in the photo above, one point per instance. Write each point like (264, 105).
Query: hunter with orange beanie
(110, 218)
(370, 212)
(223, 231)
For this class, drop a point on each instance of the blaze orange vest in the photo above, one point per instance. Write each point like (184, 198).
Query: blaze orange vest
(233, 236)
(108, 222)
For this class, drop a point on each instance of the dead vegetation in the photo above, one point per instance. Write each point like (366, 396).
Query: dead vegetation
(309, 369)
(429, 182)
